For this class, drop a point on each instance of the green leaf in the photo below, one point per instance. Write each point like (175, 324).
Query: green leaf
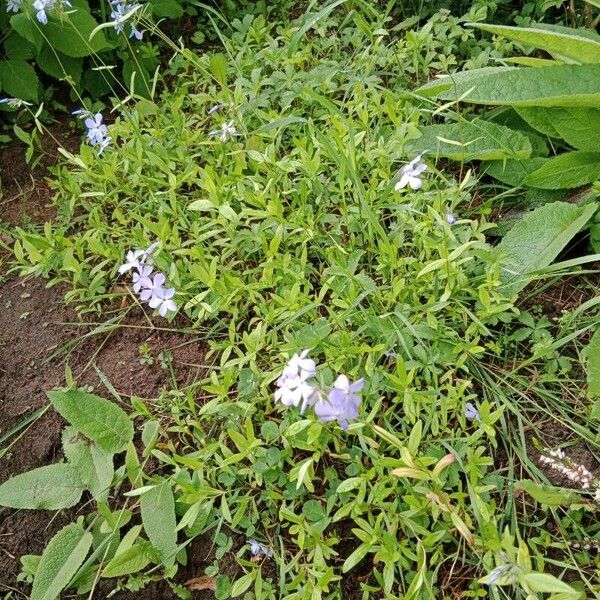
(567, 42)
(540, 119)
(131, 560)
(241, 585)
(63, 555)
(537, 239)
(59, 65)
(591, 356)
(472, 140)
(579, 127)
(17, 47)
(94, 464)
(69, 33)
(98, 419)
(18, 79)
(158, 518)
(462, 79)
(313, 510)
(166, 8)
(560, 85)
(51, 487)
(565, 171)
(542, 582)
(218, 67)
(27, 29)
(356, 557)
(513, 171)
(548, 494)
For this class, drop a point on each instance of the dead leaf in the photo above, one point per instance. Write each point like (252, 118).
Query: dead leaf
(202, 583)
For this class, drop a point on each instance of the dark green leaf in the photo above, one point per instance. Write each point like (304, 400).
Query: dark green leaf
(18, 79)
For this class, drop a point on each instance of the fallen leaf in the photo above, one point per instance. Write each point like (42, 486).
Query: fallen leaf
(202, 583)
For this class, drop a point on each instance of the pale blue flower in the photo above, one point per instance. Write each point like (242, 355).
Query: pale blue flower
(257, 548)
(41, 6)
(342, 403)
(136, 33)
(293, 387)
(141, 278)
(227, 131)
(162, 299)
(13, 5)
(214, 108)
(450, 218)
(132, 261)
(471, 412)
(96, 129)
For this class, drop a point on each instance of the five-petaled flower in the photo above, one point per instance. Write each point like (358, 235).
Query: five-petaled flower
(227, 130)
(96, 129)
(471, 412)
(342, 403)
(411, 174)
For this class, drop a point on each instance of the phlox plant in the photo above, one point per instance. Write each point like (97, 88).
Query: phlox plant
(354, 312)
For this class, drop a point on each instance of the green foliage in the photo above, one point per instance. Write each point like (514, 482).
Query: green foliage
(592, 364)
(537, 239)
(97, 419)
(158, 517)
(61, 559)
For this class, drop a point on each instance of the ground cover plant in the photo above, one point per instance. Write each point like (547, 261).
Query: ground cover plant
(380, 394)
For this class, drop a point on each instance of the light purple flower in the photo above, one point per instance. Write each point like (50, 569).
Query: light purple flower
(132, 261)
(294, 391)
(471, 412)
(104, 144)
(151, 291)
(96, 130)
(141, 278)
(410, 174)
(136, 33)
(257, 548)
(41, 6)
(450, 218)
(162, 299)
(342, 403)
(300, 366)
(214, 108)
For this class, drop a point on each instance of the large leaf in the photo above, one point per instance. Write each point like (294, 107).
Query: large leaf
(158, 517)
(539, 118)
(25, 27)
(579, 127)
(512, 172)
(570, 43)
(565, 171)
(471, 140)
(98, 419)
(18, 79)
(560, 85)
(51, 487)
(59, 65)
(94, 464)
(63, 555)
(69, 34)
(591, 355)
(166, 8)
(535, 241)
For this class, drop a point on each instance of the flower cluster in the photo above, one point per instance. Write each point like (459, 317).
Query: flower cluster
(43, 6)
(296, 387)
(556, 459)
(97, 131)
(121, 12)
(149, 285)
(13, 5)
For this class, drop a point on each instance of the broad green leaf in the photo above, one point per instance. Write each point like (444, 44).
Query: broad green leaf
(356, 557)
(218, 67)
(513, 171)
(69, 33)
(591, 355)
(27, 29)
(566, 171)
(579, 127)
(471, 140)
(241, 585)
(548, 494)
(59, 65)
(51, 487)
(543, 582)
(98, 419)
(540, 119)
(131, 560)
(568, 42)
(158, 518)
(463, 79)
(17, 47)
(560, 85)
(18, 79)
(537, 239)
(63, 555)
(94, 464)
(166, 8)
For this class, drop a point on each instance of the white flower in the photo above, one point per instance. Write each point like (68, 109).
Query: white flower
(300, 366)
(450, 218)
(227, 130)
(13, 5)
(41, 6)
(410, 174)
(96, 130)
(132, 261)
(150, 291)
(105, 143)
(294, 391)
(257, 548)
(141, 278)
